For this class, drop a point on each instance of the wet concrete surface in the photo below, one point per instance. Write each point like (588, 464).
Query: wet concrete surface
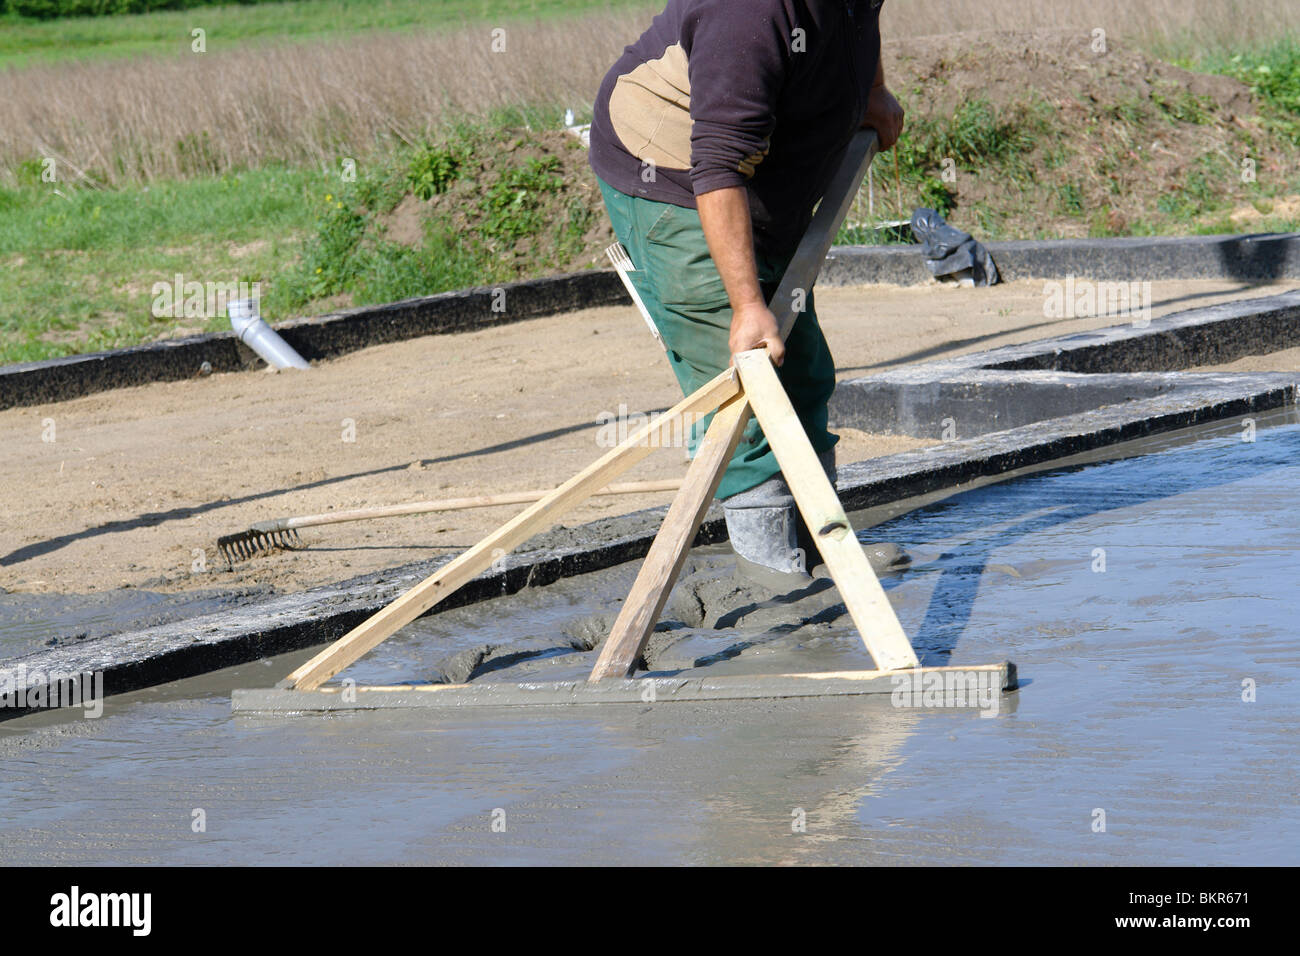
(1136, 596)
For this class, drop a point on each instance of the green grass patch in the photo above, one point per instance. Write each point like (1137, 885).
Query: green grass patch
(24, 42)
(1272, 73)
(77, 268)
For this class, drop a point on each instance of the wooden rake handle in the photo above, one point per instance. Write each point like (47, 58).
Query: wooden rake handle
(455, 504)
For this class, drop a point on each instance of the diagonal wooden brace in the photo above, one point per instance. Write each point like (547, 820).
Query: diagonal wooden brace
(654, 582)
(538, 517)
(815, 495)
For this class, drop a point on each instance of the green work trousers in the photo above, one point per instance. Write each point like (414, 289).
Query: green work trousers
(684, 294)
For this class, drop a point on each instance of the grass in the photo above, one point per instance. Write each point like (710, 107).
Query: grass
(1273, 74)
(78, 269)
(113, 123)
(167, 33)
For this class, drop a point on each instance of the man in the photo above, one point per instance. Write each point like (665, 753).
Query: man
(713, 137)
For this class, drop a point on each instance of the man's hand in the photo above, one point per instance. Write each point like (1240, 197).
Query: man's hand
(884, 115)
(754, 326)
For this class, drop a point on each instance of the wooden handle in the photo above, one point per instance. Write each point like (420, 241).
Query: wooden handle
(455, 504)
(807, 260)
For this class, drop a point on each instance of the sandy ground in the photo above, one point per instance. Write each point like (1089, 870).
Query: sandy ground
(137, 484)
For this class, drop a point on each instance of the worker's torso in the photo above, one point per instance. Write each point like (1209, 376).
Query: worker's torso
(819, 57)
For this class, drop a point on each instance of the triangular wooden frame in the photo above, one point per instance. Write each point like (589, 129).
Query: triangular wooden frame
(761, 395)
(750, 387)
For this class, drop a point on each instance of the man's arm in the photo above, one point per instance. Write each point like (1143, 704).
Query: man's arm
(724, 214)
(731, 125)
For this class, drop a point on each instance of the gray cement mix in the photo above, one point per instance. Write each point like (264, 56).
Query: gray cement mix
(1149, 602)
(33, 622)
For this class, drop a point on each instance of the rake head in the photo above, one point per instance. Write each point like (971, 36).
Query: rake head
(246, 544)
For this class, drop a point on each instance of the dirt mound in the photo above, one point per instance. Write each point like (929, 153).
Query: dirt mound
(1062, 67)
(530, 195)
(481, 206)
(1053, 135)
(1010, 134)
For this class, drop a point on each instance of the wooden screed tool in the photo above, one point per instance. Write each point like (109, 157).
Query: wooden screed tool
(750, 388)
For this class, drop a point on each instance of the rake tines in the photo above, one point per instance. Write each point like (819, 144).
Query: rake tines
(245, 544)
(619, 257)
(623, 264)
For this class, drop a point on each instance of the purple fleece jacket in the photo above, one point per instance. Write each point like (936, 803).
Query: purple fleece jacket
(760, 93)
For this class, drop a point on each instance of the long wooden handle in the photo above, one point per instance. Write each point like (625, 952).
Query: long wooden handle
(454, 504)
(807, 260)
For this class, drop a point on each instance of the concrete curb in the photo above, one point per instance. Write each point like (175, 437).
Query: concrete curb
(1249, 258)
(1267, 256)
(1020, 384)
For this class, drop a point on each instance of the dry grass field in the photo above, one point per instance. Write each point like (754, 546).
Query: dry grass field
(206, 113)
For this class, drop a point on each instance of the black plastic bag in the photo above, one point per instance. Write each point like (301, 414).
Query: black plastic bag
(949, 252)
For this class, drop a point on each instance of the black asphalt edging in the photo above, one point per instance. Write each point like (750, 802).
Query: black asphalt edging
(1248, 258)
(321, 337)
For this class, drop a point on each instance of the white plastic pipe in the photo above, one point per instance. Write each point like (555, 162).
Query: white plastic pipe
(260, 337)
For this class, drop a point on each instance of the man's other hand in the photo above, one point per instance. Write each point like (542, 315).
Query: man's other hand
(884, 115)
(753, 327)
